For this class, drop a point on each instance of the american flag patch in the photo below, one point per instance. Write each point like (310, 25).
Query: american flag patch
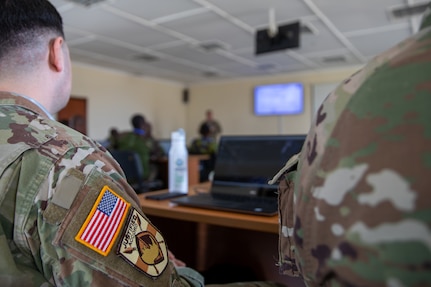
(104, 222)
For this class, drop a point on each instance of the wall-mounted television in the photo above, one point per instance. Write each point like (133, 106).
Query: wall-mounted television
(278, 99)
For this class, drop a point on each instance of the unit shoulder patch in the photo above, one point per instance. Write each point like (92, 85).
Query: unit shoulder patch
(142, 246)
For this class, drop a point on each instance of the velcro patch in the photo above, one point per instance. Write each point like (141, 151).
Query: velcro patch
(143, 246)
(103, 224)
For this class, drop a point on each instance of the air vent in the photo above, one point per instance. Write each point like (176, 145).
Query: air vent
(409, 11)
(210, 74)
(265, 67)
(334, 59)
(211, 46)
(86, 2)
(146, 58)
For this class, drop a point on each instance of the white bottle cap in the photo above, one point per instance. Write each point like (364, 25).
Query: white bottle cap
(178, 135)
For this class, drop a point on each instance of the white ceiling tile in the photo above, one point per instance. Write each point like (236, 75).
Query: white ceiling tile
(103, 23)
(104, 63)
(279, 58)
(256, 12)
(381, 41)
(323, 40)
(338, 58)
(150, 9)
(178, 67)
(106, 49)
(210, 26)
(112, 33)
(72, 35)
(357, 15)
(193, 53)
(243, 70)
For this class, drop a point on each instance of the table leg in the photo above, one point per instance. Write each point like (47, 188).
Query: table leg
(202, 242)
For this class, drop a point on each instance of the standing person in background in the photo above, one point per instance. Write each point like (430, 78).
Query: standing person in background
(214, 126)
(205, 144)
(355, 206)
(56, 183)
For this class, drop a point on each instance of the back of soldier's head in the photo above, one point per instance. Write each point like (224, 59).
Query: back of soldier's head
(24, 22)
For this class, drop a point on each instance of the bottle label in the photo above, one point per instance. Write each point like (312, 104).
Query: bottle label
(180, 170)
(178, 173)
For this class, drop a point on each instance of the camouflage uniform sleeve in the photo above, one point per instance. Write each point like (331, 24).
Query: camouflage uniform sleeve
(68, 216)
(285, 179)
(362, 189)
(93, 232)
(139, 144)
(102, 237)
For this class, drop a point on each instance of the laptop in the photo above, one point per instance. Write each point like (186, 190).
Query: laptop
(165, 144)
(243, 167)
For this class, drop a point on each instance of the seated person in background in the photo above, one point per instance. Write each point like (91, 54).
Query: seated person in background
(357, 211)
(156, 151)
(157, 155)
(213, 125)
(136, 141)
(114, 135)
(205, 144)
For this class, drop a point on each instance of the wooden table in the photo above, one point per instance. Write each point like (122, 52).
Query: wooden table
(204, 238)
(164, 208)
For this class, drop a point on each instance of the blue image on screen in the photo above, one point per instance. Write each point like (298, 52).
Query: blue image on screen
(279, 99)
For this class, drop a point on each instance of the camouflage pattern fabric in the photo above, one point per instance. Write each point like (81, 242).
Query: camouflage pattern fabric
(203, 146)
(139, 144)
(357, 212)
(215, 127)
(51, 182)
(249, 284)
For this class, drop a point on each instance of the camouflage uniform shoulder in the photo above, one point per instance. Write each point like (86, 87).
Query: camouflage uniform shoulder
(66, 181)
(363, 177)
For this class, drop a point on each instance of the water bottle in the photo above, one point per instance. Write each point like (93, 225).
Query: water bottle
(178, 158)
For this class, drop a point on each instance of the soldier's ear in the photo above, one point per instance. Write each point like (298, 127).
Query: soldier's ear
(56, 54)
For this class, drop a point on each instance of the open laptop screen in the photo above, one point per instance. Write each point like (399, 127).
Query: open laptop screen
(247, 163)
(165, 144)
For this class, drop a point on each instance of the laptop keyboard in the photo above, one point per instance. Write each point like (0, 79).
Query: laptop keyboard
(245, 199)
(262, 206)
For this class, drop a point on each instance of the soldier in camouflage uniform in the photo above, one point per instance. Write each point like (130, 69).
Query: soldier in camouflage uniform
(67, 215)
(358, 210)
(136, 141)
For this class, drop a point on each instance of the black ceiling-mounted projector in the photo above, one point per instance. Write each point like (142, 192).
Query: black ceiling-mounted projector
(285, 37)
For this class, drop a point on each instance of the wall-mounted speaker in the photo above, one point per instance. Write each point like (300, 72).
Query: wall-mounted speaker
(185, 96)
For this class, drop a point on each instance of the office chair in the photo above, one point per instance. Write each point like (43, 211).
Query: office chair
(206, 166)
(132, 167)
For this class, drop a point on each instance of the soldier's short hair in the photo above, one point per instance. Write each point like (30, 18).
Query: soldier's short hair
(23, 22)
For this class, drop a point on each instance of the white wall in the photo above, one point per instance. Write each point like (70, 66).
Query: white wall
(319, 94)
(232, 103)
(113, 97)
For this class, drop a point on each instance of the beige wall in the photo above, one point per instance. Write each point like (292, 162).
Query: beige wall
(232, 103)
(114, 97)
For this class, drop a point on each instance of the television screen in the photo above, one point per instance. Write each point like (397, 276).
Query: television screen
(279, 99)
